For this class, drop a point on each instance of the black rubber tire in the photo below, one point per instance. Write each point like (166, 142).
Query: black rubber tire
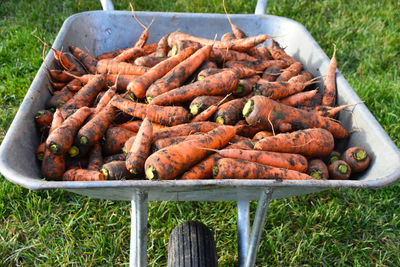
(191, 244)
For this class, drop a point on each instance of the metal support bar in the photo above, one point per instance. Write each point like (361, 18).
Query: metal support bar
(261, 7)
(107, 5)
(243, 226)
(258, 225)
(138, 243)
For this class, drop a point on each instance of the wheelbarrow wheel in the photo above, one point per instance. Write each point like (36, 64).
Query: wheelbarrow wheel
(192, 244)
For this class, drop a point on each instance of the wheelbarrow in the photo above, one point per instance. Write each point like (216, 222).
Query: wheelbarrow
(106, 31)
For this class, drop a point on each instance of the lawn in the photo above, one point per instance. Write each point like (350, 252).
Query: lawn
(337, 227)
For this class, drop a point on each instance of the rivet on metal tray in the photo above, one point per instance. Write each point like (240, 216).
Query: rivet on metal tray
(108, 31)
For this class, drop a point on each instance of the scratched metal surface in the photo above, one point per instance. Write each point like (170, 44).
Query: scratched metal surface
(106, 31)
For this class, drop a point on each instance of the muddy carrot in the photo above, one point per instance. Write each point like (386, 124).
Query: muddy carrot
(83, 175)
(318, 169)
(260, 135)
(140, 149)
(329, 96)
(260, 52)
(130, 54)
(162, 47)
(333, 156)
(246, 86)
(357, 158)
(179, 74)
(87, 60)
(43, 118)
(60, 75)
(165, 115)
(272, 73)
(94, 129)
(105, 99)
(260, 110)
(230, 112)
(258, 65)
(278, 90)
(278, 53)
(172, 161)
(303, 77)
(59, 98)
(241, 169)
(208, 72)
(244, 129)
(274, 159)
(115, 170)
(115, 138)
(339, 170)
(219, 84)
(110, 55)
(114, 67)
(95, 158)
(238, 33)
(201, 103)
(298, 98)
(185, 129)
(53, 166)
(223, 55)
(40, 151)
(164, 142)
(61, 139)
(207, 113)
(115, 157)
(140, 85)
(290, 72)
(315, 142)
(149, 61)
(203, 169)
(227, 37)
(328, 111)
(236, 44)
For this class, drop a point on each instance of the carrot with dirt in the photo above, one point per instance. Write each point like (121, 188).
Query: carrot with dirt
(110, 55)
(115, 157)
(272, 73)
(115, 170)
(179, 74)
(86, 95)
(60, 75)
(258, 65)
(94, 129)
(207, 113)
(203, 169)
(43, 119)
(227, 37)
(298, 99)
(110, 66)
(303, 77)
(329, 96)
(115, 138)
(328, 111)
(278, 90)
(201, 103)
(208, 72)
(83, 175)
(260, 135)
(185, 129)
(135, 125)
(95, 158)
(164, 115)
(290, 72)
(140, 85)
(140, 148)
(130, 54)
(334, 156)
(273, 159)
(56, 85)
(241, 169)
(260, 110)
(86, 59)
(278, 53)
(230, 112)
(172, 161)
(149, 61)
(237, 44)
(246, 130)
(246, 86)
(315, 142)
(223, 55)
(357, 158)
(61, 139)
(238, 33)
(164, 142)
(318, 169)
(260, 52)
(104, 100)
(219, 84)
(162, 47)
(40, 151)
(339, 170)
(59, 98)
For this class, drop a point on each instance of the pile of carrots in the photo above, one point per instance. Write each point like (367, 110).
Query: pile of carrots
(192, 108)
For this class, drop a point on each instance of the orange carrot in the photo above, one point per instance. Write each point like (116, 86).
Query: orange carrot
(219, 84)
(201, 103)
(203, 169)
(357, 158)
(236, 44)
(238, 33)
(115, 170)
(278, 53)
(59, 98)
(114, 67)
(227, 37)
(53, 166)
(298, 98)
(95, 158)
(109, 55)
(206, 114)
(93, 130)
(328, 111)
(260, 135)
(115, 138)
(272, 73)
(105, 99)
(130, 54)
(208, 72)
(274, 159)
(241, 169)
(172, 161)
(278, 90)
(164, 142)
(179, 74)
(329, 97)
(230, 112)
(115, 157)
(315, 142)
(245, 86)
(162, 47)
(61, 139)
(339, 170)
(185, 129)
(260, 110)
(83, 175)
(149, 61)
(290, 72)
(43, 119)
(60, 75)
(140, 149)
(87, 60)
(244, 129)
(318, 169)
(140, 85)
(223, 55)
(258, 65)
(165, 115)
(40, 151)
(260, 52)
(303, 77)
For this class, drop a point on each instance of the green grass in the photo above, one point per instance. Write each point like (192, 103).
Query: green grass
(338, 227)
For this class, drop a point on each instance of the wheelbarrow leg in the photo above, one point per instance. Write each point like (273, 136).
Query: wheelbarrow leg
(138, 244)
(243, 226)
(258, 225)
